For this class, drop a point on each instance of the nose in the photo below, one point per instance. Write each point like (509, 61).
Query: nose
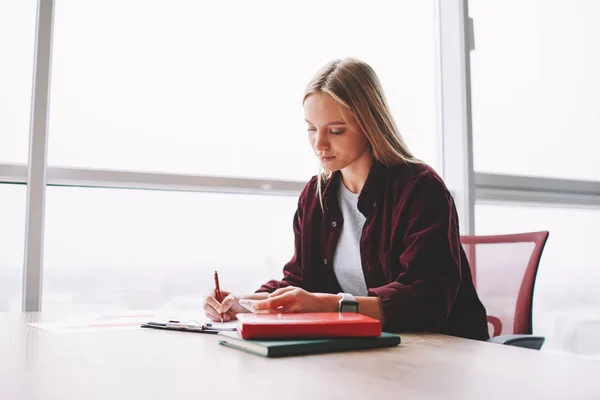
(321, 142)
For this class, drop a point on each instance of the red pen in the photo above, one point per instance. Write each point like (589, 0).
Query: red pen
(218, 292)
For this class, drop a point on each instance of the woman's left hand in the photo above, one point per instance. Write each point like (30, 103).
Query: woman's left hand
(291, 299)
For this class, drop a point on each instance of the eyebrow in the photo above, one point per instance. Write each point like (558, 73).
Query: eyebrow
(330, 123)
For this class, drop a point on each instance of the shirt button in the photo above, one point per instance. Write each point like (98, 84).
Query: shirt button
(375, 204)
(334, 224)
(325, 261)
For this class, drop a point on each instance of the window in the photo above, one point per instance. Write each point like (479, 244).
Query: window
(216, 88)
(12, 237)
(566, 298)
(536, 89)
(134, 249)
(17, 36)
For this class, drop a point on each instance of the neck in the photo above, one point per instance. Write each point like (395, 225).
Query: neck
(355, 175)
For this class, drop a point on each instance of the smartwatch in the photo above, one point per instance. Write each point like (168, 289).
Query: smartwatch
(348, 303)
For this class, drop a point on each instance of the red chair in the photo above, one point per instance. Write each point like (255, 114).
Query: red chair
(504, 268)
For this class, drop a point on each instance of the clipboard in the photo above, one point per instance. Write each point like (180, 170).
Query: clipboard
(208, 327)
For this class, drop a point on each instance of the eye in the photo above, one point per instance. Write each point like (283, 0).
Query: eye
(337, 131)
(310, 129)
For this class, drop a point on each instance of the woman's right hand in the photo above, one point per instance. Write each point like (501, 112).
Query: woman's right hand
(230, 307)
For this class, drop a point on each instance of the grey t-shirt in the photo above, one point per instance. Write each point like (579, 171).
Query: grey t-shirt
(347, 264)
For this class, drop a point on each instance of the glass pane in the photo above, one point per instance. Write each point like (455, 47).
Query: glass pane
(536, 87)
(566, 300)
(140, 249)
(216, 87)
(17, 38)
(12, 237)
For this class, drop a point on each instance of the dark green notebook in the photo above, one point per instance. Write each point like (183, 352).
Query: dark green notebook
(280, 348)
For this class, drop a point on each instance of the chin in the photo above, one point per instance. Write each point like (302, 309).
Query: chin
(331, 167)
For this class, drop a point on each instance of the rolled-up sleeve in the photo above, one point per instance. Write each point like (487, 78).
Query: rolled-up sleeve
(421, 296)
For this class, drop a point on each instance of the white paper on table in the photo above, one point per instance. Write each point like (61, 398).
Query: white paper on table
(106, 322)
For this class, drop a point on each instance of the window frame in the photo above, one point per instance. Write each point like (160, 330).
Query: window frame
(455, 40)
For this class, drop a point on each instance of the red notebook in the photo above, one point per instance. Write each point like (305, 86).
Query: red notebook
(307, 325)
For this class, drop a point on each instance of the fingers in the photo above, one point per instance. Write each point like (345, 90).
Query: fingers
(209, 306)
(215, 317)
(285, 300)
(281, 291)
(227, 303)
(281, 300)
(212, 315)
(213, 303)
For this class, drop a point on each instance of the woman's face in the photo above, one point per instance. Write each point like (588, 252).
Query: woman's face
(333, 133)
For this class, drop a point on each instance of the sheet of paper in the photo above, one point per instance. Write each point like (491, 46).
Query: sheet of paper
(85, 327)
(106, 322)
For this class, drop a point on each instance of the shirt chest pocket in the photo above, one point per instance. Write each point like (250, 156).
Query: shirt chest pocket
(390, 265)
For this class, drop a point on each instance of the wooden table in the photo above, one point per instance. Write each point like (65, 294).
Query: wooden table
(153, 364)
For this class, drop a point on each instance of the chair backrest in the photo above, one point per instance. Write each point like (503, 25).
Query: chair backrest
(504, 269)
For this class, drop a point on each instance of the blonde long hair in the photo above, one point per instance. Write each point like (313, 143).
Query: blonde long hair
(354, 85)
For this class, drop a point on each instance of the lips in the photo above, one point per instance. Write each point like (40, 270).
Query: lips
(326, 158)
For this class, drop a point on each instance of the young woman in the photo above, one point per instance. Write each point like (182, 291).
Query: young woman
(376, 231)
